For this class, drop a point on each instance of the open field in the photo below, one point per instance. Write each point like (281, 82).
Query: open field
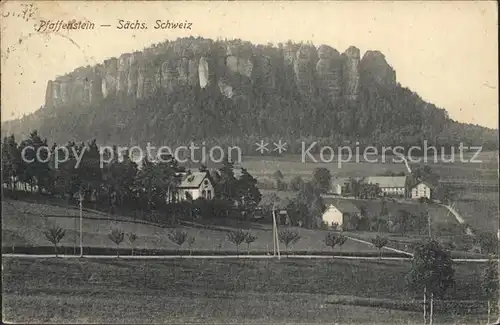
(479, 209)
(22, 225)
(292, 165)
(230, 291)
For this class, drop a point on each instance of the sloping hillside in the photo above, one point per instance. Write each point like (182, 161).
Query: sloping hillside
(236, 92)
(22, 224)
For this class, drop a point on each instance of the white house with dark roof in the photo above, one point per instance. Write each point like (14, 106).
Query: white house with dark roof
(389, 185)
(422, 189)
(195, 185)
(338, 211)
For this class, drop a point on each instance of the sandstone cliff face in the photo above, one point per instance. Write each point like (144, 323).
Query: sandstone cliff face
(263, 73)
(329, 73)
(304, 67)
(149, 80)
(203, 72)
(133, 74)
(374, 67)
(110, 77)
(187, 72)
(233, 69)
(122, 75)
(239, 65)
(225, 88)
(351, 73)
(49, 94)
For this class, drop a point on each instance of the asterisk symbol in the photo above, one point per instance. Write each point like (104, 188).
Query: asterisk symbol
(280, 147)
(262, 146)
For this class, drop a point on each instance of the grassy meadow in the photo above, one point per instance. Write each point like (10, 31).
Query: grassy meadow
(23, 224)
(227, 291)
(334, 291)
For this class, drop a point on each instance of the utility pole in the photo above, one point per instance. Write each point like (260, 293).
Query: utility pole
(274, 232)
(429, 224)
(81, 224)
(275, 235)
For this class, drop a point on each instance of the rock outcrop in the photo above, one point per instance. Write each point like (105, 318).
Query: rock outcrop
(374, 67)
(234, 68)
(203, 72)
(110, 77)
(329, 73)
(225, 88)
(304, 67)
(350, 71)
(133, 74)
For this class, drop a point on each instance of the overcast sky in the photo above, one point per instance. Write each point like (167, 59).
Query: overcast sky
(445, 51)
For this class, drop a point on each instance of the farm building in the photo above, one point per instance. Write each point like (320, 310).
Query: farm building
(421, 190)
(338, 211)
(390, 185)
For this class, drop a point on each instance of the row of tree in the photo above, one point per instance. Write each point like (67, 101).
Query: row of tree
(116, 181)
(431, 273)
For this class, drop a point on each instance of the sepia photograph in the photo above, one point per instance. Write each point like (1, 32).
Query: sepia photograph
(250, 162)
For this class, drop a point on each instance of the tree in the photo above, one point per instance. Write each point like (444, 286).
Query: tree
(487, 241)
(191, 242)
(249, 238)
(270, 201)
(368, 191)
(321, 179)
(288, 237)
(237, 237)
(380, 243)
(432, 270)
(132, 238)
(296, 183)
(307, 206)
(89, 170)
(120, 176)
(341, 239)
(331, 240)
(425, 173)
(489, 284)
(278, 177)
(11, 161)
(226, 187)
(203, 168)
(384, 212)
(116, 236)
(36, 170)
(178, 237)
(54, 234)
(353, 186)
(248, 193)
(402, 221)
(67, 177)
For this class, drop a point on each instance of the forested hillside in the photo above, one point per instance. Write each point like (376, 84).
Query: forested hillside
(234, 92)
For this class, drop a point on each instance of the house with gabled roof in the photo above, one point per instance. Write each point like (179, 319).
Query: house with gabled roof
(422, 189)
(390, 185)
(195, 185)
(338, 211)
